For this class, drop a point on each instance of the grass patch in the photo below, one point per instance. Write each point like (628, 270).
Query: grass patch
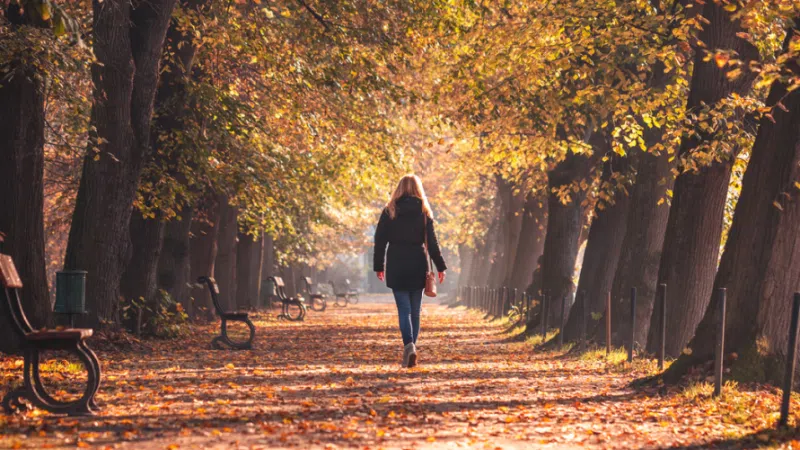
(61, 367)
(565, 348)
(617, 355)
(704, 390)
(537, 340)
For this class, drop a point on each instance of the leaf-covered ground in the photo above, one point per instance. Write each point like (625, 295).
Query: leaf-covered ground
(334, 381)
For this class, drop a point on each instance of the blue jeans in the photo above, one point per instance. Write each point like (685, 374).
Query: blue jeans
(409, 304)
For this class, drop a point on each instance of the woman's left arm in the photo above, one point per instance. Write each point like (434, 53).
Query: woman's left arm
(433, 248)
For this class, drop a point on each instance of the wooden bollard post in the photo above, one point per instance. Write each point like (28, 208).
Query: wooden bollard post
(662, 296)
(791, 362)
(720, 347)
(633, 325)
(561, 320)
(608, 323)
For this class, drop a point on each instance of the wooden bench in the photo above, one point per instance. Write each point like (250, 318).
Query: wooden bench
(341, 299)
(293, 309)
(228, 316)
(33, 341)
(352, 294)
(318, 301)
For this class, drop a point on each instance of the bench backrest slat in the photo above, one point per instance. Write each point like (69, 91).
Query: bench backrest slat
(308, 284)
(213, 287)
(11, 302)
(280, 287)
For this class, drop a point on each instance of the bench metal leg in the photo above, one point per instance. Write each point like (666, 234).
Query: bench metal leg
(224, 339)
(35, 392)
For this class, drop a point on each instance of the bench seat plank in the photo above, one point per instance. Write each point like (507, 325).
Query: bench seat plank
(68, 333)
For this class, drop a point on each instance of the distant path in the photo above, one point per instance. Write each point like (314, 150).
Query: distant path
(335, 382)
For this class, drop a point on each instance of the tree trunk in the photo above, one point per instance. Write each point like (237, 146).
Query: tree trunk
(466, 257)
(170, 109)
(531, 240)
(564, 223)
(692, 239)
(138, 282)
(761, 264)
(22, 190)
(174, 275)
(602, 252)
(502, 230)
(640, 249)
(514, 218)
(249, 255)
(268, 265)
(128, 42)
(225, 265)
(203, 249)
(486, 257)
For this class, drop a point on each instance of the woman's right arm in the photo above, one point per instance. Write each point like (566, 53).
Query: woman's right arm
(381, 239)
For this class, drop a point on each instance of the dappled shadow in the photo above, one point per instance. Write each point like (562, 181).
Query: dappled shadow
(335, 379)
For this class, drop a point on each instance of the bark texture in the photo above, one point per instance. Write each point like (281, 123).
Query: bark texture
(128, 42)
(173, 274)
(564, 223)
(225, 265)
(169, 113)
(761, 264)
(640, 252)
(606, 234)
(203, 249)
(531, 240)
(692, 239)
(138, 282)
(249, 255)
(22, 190)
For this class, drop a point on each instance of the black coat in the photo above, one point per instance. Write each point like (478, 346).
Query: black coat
(406, 264)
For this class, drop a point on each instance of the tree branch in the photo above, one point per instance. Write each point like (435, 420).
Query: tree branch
(316, 15)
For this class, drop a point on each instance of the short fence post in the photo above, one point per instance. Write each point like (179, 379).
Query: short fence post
(584, 317)
(791, 361)
(515, 302)
(544, 315)
(662, 295)
(720, 347)
(561, 319)
(608, 323)
(528, 302)
(633, 324)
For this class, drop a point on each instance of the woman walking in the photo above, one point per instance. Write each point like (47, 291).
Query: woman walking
(405, 225)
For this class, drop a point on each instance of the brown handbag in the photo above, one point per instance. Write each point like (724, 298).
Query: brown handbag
(430, 276)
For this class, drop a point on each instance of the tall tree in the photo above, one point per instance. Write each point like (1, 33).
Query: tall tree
(694, 228)
(760, 266)
(22, 118)
(128, 42)
(39, 44)
(156, 209)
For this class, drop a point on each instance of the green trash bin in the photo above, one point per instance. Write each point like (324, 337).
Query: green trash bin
(70, 293)
(267, 292)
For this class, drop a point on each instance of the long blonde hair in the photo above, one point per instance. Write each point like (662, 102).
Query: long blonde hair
(409, 185)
